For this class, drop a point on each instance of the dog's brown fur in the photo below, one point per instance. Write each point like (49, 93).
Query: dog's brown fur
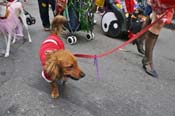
(61, 63)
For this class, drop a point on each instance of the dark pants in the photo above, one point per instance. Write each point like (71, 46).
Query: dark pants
(44, 11)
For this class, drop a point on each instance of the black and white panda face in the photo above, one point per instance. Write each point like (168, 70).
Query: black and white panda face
(107, 19)
(110, 24)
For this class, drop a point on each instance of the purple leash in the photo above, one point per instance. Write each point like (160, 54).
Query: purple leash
(97, 69)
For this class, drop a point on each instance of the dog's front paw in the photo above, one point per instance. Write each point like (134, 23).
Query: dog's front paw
(54, 94)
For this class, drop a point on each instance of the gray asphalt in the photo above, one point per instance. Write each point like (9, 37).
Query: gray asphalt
(122, 90)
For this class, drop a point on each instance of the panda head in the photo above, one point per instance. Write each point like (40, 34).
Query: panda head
(107, 19)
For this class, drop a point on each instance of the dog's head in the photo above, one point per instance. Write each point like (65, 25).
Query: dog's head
(137, 12)
(62, 63)
(57, 24)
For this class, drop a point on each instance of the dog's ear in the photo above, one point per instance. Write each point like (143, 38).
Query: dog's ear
(52, 67)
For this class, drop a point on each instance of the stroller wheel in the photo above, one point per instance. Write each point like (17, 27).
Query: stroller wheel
(29, 22)
(75, 39)
(93, 35)
(72, 40)
(90, 36)
(33, 20)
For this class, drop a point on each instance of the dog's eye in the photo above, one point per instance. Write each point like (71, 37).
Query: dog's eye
(69, 67)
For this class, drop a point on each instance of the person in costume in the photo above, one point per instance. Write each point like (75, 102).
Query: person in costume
(159, 7)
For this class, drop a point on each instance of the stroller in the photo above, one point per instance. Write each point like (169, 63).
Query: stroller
(29, 18)
(116, 23)
(80, 17)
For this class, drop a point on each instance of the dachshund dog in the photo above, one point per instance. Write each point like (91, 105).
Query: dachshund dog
(57, 63)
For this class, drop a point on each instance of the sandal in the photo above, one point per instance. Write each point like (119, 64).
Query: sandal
(148, 68)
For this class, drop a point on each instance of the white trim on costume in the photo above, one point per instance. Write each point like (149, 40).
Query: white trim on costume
(50, 40)
(49, 81)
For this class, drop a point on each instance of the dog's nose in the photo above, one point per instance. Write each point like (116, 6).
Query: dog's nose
(82, 74)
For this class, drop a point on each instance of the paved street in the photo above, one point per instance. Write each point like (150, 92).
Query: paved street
(122, 90)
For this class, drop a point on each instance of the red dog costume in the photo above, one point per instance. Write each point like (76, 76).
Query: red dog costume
(52, 42)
